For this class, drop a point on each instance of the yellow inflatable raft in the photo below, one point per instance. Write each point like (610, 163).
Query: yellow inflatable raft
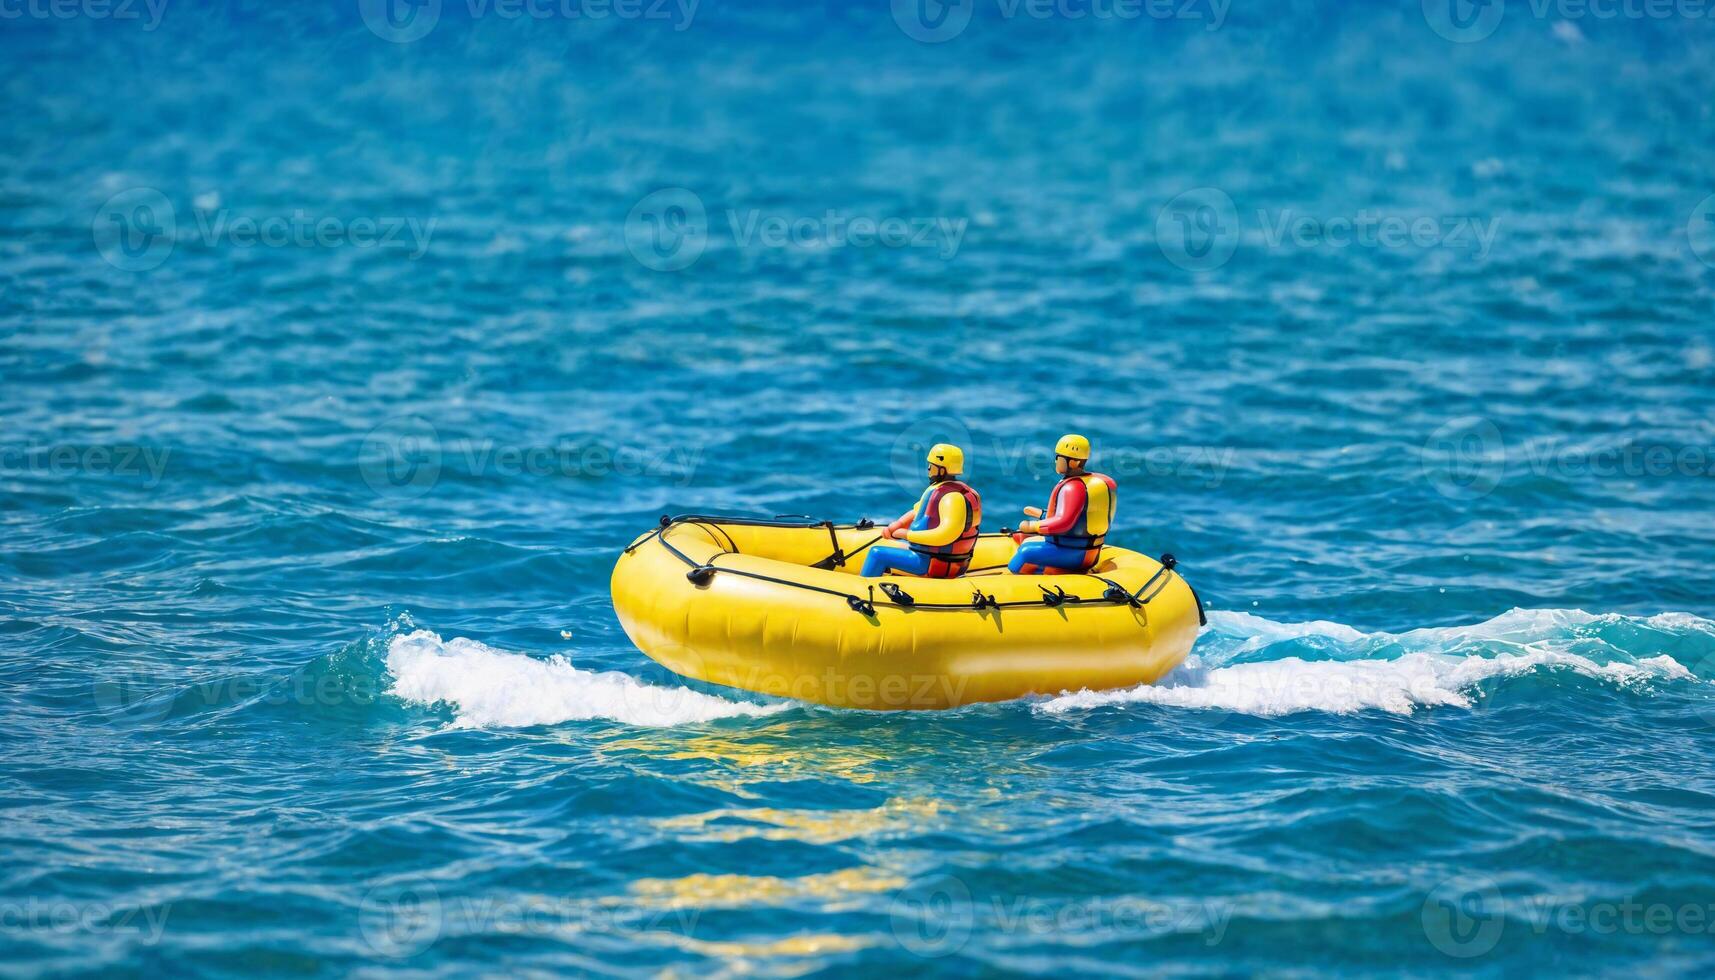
(777, 607)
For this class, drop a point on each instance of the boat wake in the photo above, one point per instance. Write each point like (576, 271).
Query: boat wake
(1243, 664)
(488, 688)
(1250, 665)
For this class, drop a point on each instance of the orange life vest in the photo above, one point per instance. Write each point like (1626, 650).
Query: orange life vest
(1091, 527)
(929, 517)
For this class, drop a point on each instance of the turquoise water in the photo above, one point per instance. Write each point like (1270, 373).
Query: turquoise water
(336, 368)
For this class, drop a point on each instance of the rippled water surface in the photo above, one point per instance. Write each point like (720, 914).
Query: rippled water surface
(336, 367)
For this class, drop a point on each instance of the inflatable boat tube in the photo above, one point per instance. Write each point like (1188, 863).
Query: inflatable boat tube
(777, 607)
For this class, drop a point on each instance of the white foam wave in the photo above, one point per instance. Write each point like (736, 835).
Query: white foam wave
(1513, 625)
(1398, 673)
(488, 688)
(1283, 687)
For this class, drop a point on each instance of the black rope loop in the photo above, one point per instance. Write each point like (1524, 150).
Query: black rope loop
(701, 575)
(980, 601)
(859, 604)
(1056, 597)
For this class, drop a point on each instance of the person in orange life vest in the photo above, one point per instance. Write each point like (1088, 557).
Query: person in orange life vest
(1080, 511)
(940, 532)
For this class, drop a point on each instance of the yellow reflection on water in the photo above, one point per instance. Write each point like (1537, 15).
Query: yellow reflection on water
(698, 892)
(808, 826)
(756, 758)
(737, 891)
(817, 944)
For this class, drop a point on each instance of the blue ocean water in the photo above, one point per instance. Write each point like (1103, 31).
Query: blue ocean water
(343, 347)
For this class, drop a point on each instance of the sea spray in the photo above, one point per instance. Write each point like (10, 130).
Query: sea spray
(1250, 665)
(488, 688)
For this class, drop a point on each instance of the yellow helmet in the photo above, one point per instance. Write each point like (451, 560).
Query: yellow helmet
(949, 456)
(1073, 446)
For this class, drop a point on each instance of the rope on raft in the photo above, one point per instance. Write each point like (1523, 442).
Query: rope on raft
(702, 572)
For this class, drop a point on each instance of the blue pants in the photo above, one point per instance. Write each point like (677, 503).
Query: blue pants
(1043, 552)
(881, 559)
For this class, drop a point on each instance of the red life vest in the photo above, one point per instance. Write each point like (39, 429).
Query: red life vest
(929, 517)
(1090, 529)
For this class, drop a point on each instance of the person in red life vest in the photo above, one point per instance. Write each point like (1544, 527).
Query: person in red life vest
(940, 532)
(1080, 511)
